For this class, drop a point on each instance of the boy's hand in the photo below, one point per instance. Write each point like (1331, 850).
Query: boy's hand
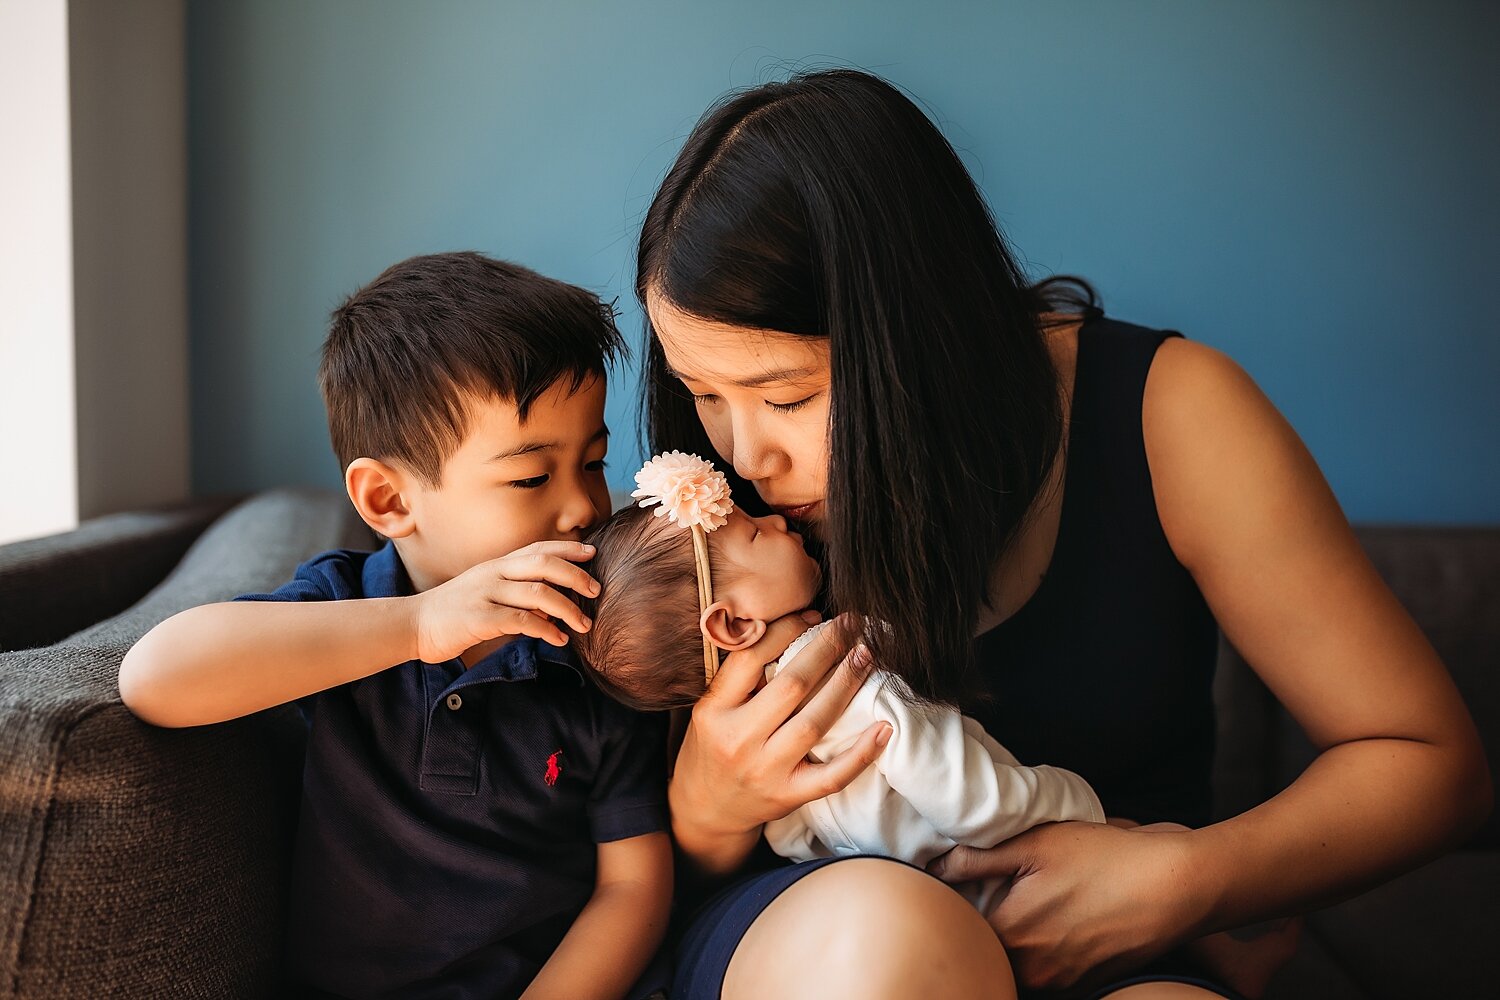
(508, 596)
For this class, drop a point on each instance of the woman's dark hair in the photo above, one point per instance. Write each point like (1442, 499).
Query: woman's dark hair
(831, 206)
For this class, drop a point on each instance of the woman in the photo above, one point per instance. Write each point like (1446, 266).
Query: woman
(832, 312)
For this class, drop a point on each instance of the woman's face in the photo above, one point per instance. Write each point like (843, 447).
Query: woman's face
(763, 398)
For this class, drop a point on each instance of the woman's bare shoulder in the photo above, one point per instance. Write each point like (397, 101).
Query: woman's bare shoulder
(1247, 511)
(1226, 466)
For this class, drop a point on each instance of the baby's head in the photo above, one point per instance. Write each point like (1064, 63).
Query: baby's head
(646, 646)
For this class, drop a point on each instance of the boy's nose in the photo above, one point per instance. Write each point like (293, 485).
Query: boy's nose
(578, 515)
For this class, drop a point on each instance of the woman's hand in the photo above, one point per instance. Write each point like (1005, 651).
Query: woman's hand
(1088, 900)
(744, 761)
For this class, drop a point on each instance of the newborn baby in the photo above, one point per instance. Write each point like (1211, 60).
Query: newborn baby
(940, 781)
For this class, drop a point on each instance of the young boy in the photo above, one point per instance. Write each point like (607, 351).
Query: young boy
(476, 819)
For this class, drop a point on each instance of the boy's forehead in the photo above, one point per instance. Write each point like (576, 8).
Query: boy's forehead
(556, 418)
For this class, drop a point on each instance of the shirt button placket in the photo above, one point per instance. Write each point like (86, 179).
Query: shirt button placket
(455, 702)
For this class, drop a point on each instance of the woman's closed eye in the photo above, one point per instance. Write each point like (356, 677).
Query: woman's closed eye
(792, 407)
(708, 399)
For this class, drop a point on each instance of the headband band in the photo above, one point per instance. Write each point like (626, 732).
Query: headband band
(695, 495)
(705, 599)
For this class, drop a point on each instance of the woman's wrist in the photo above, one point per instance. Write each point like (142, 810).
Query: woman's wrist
(714, 848)
(1203, 885)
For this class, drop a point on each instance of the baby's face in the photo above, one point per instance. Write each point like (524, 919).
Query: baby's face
(774, 574)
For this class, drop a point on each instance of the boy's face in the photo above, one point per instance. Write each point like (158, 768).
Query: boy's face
(510, 483)
(774, 574)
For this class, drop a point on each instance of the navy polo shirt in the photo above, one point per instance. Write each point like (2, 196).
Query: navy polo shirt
(450, 817)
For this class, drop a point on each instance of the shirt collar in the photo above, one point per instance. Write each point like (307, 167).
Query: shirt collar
(521, 659)
(384, 575)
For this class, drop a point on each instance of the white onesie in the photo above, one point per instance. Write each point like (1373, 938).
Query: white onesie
(941, 781)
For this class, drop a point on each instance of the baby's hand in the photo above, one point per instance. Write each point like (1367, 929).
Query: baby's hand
(504, 597)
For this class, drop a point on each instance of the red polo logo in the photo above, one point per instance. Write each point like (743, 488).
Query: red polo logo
(554, 770)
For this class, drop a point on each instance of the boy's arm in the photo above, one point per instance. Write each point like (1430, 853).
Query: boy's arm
(620, 928)
(222, 661)
(966, 785)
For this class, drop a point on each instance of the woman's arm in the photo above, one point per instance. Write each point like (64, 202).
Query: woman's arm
(744, 761)
(1401, 774)
(1400, 777)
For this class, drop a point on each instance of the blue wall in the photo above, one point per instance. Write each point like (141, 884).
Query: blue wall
(1310, 187)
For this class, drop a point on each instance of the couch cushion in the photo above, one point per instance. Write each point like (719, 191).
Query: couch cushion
(262, 539)
(1429, 933)
(145, 862)
(1313, 974)
(51, 587)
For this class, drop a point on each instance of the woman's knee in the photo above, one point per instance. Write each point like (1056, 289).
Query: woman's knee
(1162, 991)
(872, 929)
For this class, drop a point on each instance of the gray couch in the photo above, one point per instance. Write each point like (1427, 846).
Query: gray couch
(139, 862)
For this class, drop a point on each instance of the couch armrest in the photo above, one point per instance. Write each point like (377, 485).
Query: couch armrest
(51, 587)
(145, 862)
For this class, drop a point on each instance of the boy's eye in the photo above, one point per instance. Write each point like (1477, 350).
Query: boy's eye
(791, 407)
(596, 466)
(530, 484)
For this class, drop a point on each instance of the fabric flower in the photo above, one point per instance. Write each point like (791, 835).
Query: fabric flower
(691, 492)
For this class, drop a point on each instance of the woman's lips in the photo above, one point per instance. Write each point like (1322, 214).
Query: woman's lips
(797, 512)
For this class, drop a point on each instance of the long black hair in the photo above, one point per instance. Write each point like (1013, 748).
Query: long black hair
(831, 206)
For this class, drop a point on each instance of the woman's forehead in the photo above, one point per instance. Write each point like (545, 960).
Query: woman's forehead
(707, 351)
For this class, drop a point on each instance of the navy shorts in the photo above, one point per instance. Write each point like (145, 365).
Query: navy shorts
(715, 931)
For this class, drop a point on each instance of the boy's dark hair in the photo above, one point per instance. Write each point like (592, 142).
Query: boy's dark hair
(645, 649)
(404, 351)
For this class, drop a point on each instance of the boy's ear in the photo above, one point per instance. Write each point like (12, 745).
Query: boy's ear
(377, 491)
(728, 632)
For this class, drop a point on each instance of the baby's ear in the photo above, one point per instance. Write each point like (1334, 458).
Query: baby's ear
(728, 632)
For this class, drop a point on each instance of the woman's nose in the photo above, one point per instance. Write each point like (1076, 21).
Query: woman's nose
(749, 464)
(755, 457)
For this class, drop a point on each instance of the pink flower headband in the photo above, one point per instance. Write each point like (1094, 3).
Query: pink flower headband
(693, 494)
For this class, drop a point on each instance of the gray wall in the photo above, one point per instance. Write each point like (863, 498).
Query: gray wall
(1310, 187)
(127, 64)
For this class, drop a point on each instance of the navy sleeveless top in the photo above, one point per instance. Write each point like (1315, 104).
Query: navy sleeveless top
(1107, 669)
